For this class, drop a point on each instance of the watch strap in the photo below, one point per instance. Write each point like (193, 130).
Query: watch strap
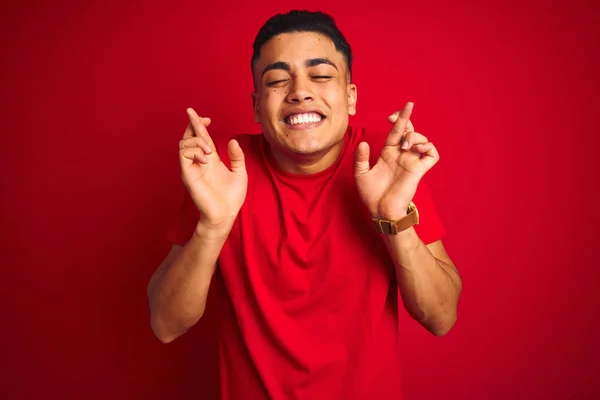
(391, 227)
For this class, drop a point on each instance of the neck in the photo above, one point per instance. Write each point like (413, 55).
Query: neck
(307, 164)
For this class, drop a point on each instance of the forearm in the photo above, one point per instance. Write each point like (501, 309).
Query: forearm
(429, 287)
(178, 293)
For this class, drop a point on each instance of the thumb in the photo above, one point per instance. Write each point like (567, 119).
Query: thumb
(362, 160)
(236, 156)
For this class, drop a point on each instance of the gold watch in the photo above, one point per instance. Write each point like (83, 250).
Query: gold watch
(394, 227)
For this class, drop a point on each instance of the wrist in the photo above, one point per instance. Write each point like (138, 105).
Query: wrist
(213, 231)
(393, 210)
(391, 215)
(403, 219)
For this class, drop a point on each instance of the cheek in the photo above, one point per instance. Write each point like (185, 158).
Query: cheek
(271, 100)
(336, 97)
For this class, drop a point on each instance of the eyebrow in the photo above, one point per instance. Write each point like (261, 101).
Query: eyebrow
(311, 62)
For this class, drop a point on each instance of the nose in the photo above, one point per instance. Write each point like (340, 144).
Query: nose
(300, 91)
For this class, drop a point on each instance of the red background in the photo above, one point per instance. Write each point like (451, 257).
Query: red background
(93, 104)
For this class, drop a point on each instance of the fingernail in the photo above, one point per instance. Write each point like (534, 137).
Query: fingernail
(405, 145)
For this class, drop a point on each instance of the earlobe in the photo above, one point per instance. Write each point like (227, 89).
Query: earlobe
(352, 98)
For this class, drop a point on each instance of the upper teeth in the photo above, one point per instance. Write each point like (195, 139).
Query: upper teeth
(306, 118)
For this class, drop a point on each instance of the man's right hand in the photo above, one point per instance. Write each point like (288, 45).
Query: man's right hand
(217, 192)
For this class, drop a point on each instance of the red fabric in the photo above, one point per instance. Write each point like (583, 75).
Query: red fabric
(306, 289)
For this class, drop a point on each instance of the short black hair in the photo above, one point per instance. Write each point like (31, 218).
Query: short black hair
(302, 21)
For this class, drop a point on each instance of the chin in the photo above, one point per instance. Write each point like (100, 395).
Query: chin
(306, 150)
(300, 146)
(302, 141)
(308, 141)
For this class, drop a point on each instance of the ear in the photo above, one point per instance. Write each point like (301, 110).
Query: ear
(255, 102)
(352, 97)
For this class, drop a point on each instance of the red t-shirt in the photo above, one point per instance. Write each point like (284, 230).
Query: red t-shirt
(308, 299)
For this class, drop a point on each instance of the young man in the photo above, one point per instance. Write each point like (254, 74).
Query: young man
(315, 227)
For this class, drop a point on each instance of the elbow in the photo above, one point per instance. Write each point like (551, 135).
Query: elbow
(447, 320)
(443, 327)
(163, 333)
(168, 331)
(165, 338)
(169, 321)
(160, 330)
(437, 323)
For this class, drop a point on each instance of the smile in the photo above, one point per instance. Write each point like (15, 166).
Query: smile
(304, 121)
(309, 118)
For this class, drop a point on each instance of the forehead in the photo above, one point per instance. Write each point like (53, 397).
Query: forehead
(296, 47)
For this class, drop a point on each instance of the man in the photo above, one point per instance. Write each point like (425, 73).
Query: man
(313, 226)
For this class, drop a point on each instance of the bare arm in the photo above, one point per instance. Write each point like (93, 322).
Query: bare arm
(177, 291)
(429, 283)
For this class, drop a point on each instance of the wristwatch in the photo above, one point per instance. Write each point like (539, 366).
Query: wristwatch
(394, 227)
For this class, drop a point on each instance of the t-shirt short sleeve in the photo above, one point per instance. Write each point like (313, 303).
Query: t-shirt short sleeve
(430, 227)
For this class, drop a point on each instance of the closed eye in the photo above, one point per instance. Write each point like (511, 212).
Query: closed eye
(273, 83)
(322, 77)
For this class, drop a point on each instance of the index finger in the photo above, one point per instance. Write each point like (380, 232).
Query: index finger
(409, 125)
(197, 127)
(399, 127)
(196, 122)
(189, 131)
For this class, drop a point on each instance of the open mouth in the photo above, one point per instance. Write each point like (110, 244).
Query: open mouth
(303, 118)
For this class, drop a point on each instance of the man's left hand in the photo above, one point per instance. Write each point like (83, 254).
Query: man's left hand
(388, 188)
